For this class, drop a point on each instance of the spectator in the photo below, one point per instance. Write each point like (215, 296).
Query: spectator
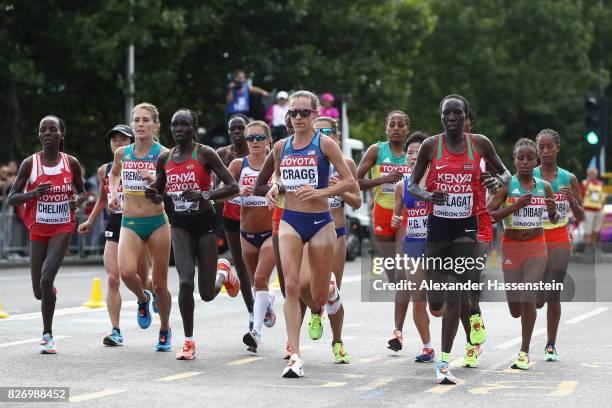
(327, 106)
(238, 94)
(5, 183)
(276, 116)
(594, 199)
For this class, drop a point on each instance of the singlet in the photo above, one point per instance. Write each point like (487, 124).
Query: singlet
(190, 175)
(306, 166)
(334, 201)
(594, 196)
(532, 215)
(106, 187)
(248, 177)
(130, 166)
(416, 215)
(50, 213)
(563, 179)
(386, 162)
(459, 176)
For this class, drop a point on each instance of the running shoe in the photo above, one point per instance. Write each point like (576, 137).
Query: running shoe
(397, 341)
(315, 328)
(443, 373)
(550, 353)
(471, 356)
(231, 283)
(427, 356)
(47, 345)
(295, 367)
(270, 317)
(143, 315)
(154, 304)
(188, 351)
(521, 362)
(114, 338)
(478, 333)
(164, 343)
(287, 353)
(251, 320)
(251, 339)
(342, 357)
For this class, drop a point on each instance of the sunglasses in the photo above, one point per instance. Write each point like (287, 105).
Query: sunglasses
(302, 112)
(235, 128)
(327, 131)
(258, 138)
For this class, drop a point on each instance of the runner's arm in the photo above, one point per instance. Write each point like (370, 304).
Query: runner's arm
(114, 177)
(213, 162)
(491, 157)
(16, 195)
(418, 171)
(496, 200)
(266, 172)
(551, 208)
(77, 182)
(353, 196)
(101, 201)
(576, 203)
(234, 169)
(331, 150)
(367, 162)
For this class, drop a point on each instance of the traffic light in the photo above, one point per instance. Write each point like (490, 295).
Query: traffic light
(596, 120)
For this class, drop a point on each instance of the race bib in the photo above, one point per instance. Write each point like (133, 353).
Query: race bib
(53, 209)
(529, 216)
(416, 226)
(386, 169)
(130, 177)
(457, 206)
(297, 171)
(181, 204)
(561, 205)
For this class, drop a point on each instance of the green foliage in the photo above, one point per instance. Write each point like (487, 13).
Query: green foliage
(523, 65)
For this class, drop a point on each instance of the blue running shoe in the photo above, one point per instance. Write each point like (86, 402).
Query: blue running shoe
(154, 304)
(443, 374)
(427, 356)
(270, 317)
(164, 343)
(143, 315)
(113, 338)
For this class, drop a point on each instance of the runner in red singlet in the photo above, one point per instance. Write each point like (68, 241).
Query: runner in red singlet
(452, 184)
(185, 174)
(46, 184)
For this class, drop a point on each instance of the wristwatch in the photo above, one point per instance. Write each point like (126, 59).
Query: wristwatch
(206, 195)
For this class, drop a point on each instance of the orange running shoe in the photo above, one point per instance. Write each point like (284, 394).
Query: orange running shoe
(188, 351)
(232, 283)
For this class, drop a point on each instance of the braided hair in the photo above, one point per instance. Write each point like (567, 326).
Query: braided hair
(549, 132)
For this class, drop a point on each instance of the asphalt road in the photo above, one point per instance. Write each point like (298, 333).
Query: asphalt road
(225, 374)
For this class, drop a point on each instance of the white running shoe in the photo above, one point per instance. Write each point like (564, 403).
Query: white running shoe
(295, 367)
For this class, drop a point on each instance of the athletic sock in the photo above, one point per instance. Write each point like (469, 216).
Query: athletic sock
(474, 311)
(116, 328)
(48, 332)
(445, 357)
(262, 300)
(427, 345)
(190, 338)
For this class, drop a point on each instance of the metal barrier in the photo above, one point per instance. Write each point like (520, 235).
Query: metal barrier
(15, 240)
